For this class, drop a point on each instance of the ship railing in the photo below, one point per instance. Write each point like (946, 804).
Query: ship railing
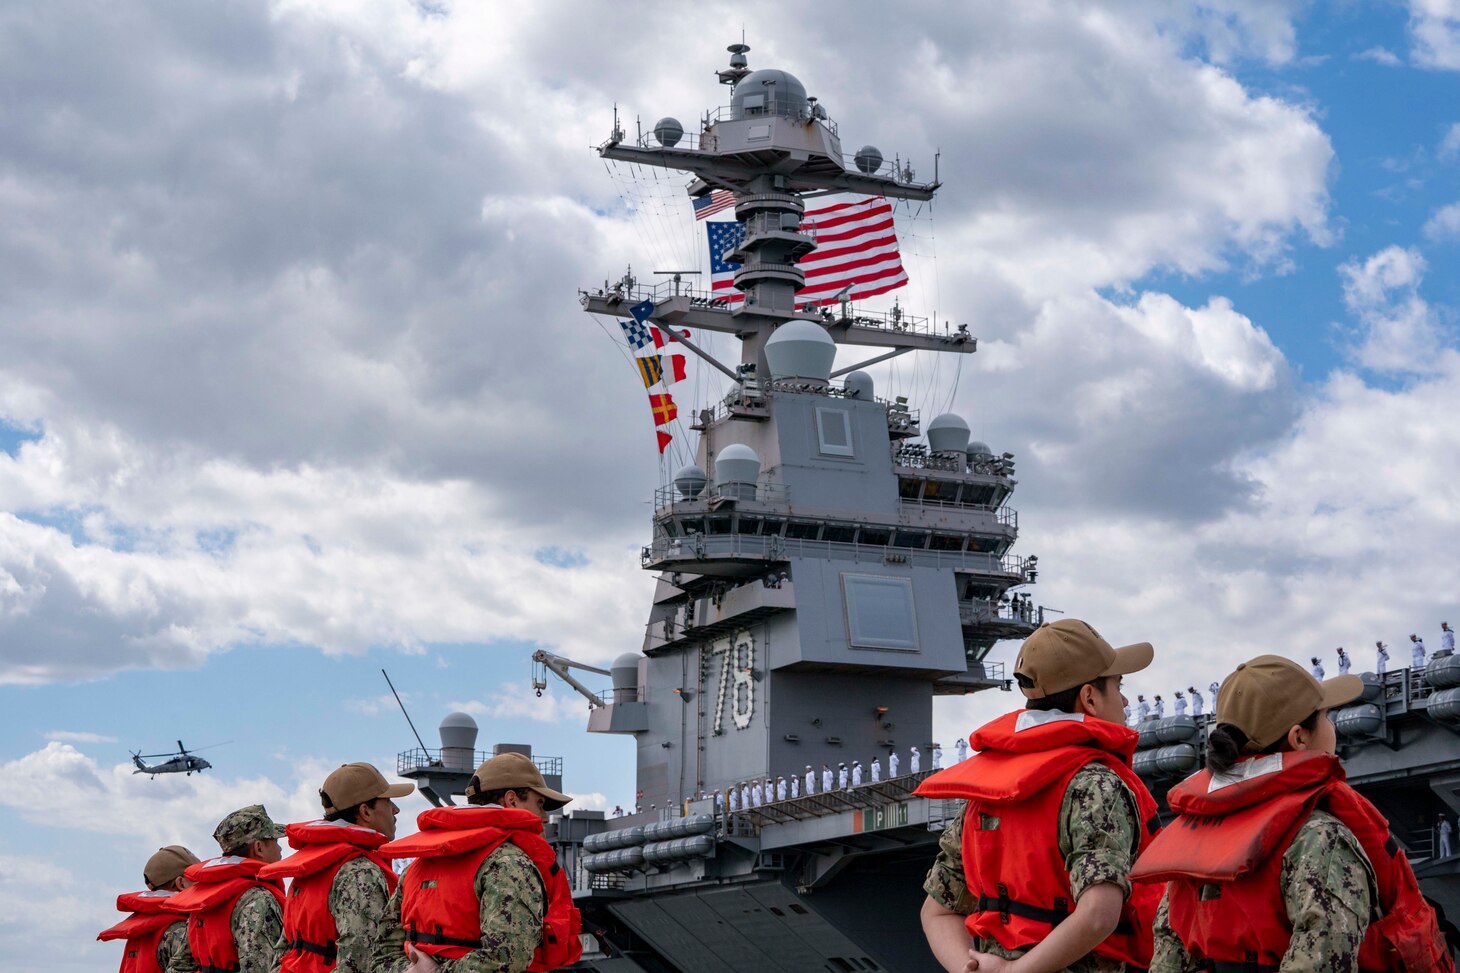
(609, 697)
(457, 761)
(982, 611)
(915, 456)
(770, 494)
(1004, 515)
(749, 821)
(944, 812)
(634, 291)
(777, 548)
(726, 113)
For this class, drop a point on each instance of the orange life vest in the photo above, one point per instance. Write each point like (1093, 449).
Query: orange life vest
(322, 848)
(439, 907)
(1235, 834)
(152, 915)
(1011, 858)
(209, 902)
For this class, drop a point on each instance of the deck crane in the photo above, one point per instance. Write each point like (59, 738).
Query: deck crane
(545, 662)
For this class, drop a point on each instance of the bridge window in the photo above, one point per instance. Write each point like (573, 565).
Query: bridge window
(909, 488)
(876, 536)
(913, 539)
(839, 533)
(802, 530)
(747, 525)
(946, 542)
(719, 525)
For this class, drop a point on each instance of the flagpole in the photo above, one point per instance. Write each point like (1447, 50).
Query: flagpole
(680, 339)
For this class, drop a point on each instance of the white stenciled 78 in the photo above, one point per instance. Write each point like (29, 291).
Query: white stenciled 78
(737, 682)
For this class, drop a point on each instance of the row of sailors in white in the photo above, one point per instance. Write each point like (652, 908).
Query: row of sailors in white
(756, 793)
(1146, 711)
(1417, 653)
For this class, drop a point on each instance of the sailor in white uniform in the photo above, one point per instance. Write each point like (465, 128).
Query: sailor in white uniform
(734, 799)
(745, 796)
(1180, 704)
(1381, 652)
(1160, 707)
(1447, 639)
(892, 765)
(1417, 647)
(757, 796)
(1143, 709)
(810, 780)
(841, 776)
(1196, 700)
(876, 770)
(1318, 672)
(914, 760)
(961, 747)
(781, 788)
(856, 773)
(825, 778)
(937, 757)
(795, 787)
(1344, 662)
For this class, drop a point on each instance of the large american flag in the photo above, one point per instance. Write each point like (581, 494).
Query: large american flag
(855, 244)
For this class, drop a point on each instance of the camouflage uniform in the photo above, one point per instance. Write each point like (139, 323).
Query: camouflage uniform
(358, 901)
(173, 954)
(1330, 895)
(258, 928)
(1099, 834)
(512, 902)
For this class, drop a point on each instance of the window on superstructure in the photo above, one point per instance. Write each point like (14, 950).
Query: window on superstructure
(834, 432)
(839, 533)
(946, 542)
(913, 539)
(875, 536)
(719, 525)
(747, 525)
(909, 488)
(803, 530)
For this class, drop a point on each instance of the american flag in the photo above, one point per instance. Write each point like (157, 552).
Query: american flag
(712, 203)
(855, 244)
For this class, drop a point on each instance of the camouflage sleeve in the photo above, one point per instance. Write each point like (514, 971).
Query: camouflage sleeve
(1171, 955)
(388, 954)
(173, 952)
(1330, 894)
(258, 931)
(1099, 830)
(358, 900)
(945, 883)
(512, 903)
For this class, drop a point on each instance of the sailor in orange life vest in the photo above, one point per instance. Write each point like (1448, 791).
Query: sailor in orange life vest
(1274, 863)
(485, 892)
(156, 936)
(236, 918)
(1036, 869)
(340, 883)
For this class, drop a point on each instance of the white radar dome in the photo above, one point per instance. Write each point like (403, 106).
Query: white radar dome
(737, 463)
(625, 671)
(668, 131)
(859, 386)
(977, 448)
(948, 433)
(800, 349)
(690, 482)
(769, 92)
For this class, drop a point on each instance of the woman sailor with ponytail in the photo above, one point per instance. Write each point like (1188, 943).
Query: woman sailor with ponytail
(1274, 864)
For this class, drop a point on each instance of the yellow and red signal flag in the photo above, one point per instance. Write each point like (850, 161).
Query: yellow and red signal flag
(664, 408)
(652, 369)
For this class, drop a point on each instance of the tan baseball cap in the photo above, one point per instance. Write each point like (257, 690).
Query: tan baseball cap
(513, 770)
(166, 864)
(1069, 653)
(1270, 695)
(355, 784)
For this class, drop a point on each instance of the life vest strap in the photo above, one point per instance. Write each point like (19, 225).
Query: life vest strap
(1007, 907)
(327, 951)
(436, 939)
(1213, 966)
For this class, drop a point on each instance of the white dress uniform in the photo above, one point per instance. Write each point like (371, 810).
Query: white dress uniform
(962, 749)
(856, 773)
(1196, 702)
(1417, 658)
(810, 780)
(937, 757)
(825, 778)
(1381, 657)
(876, 770)
(914, 760)
(892, 764)
(1180, 705)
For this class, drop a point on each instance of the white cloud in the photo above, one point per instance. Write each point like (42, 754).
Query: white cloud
(1434, 27)
(78, 736)
(1398, 331)
(517, 701)
(1380, 55)
(1444, 224)
(1450, 143)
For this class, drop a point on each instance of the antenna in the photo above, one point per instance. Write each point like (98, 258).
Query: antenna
(402, 708)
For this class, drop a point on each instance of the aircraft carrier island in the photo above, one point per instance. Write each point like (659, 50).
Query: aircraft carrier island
(830, 562)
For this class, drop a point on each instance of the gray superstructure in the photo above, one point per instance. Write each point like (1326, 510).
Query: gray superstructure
(826, 566)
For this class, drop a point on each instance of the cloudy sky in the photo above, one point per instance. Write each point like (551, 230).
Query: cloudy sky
(294, 384)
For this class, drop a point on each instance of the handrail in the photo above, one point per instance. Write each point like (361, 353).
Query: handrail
(777, 548)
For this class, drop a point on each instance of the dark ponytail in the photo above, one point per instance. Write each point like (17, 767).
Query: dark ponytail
(1226, 744)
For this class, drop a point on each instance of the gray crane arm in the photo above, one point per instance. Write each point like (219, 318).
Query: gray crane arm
(559, 666)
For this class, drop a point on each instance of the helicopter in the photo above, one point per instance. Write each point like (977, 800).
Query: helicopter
(181, 762)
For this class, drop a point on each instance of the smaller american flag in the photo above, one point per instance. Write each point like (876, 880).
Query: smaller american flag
(712, 203)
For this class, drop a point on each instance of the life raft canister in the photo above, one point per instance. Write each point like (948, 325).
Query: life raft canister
(1014, 787)
(439, 907)
(322, 848)
(1233, 830)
